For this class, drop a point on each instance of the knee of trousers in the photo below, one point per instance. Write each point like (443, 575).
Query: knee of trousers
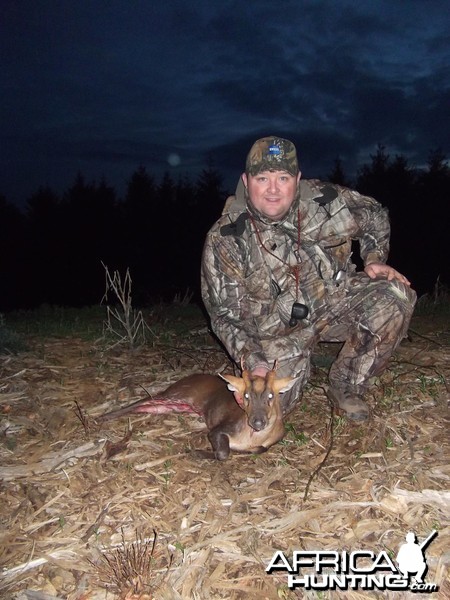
(393, 297)
(404, 294)
(297, 367)
(290, 398)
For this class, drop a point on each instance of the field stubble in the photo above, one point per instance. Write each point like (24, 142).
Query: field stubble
(94, 511)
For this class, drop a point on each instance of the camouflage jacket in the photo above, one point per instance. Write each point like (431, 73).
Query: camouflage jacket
(249, 279)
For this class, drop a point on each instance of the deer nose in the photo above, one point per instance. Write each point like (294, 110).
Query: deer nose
(257, 423)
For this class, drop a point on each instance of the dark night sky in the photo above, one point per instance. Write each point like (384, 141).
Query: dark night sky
(103, 86)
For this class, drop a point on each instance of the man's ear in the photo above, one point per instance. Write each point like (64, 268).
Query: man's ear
(244, 179)
(299, 176)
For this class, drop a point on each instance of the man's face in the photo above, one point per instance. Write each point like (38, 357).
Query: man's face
(271, 192)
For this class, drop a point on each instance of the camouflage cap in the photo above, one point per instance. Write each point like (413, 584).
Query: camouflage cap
(272, 154)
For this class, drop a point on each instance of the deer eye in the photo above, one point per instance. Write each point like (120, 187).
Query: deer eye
(270, 396)
(246, 395)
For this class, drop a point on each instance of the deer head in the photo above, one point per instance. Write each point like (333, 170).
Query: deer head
(259, 396)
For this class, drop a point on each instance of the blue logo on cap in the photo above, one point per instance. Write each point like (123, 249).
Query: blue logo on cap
(274, 150)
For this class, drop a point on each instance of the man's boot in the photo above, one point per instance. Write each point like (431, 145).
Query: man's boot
(349, 400)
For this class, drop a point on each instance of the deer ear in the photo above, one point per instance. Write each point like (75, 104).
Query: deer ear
(235, 384)
(283, 385)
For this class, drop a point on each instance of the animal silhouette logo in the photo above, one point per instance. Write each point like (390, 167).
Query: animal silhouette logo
(349, 570)
(411, 556)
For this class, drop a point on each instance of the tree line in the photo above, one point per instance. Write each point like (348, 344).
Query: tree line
(52, 252)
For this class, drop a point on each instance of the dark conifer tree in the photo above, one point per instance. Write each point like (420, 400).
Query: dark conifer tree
(106, 218)
(432, 238)
(139, 232)
(337, 175)
(182, 237)
(14, 258)
(372, 178)
(86, 211)
(210, 198)
(45, 238)
(203, 207)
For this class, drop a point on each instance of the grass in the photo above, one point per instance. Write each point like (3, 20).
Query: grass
(174, 319)
(431, 385)
(436, 302)
(292, 436)
(389, 442)
(166, 321)
(58, 321)
(11, 342)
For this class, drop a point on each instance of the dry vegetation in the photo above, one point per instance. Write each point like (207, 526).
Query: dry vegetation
(124, 510)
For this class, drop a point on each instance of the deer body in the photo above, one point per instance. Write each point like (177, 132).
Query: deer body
(250, 420)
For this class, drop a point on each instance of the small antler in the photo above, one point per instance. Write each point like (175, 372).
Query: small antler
(270, 378)
(275, 364)
(242, 364)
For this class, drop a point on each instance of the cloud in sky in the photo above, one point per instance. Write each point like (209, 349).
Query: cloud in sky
(104, 87)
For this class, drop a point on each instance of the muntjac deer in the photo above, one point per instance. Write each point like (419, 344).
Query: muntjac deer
(250, 420)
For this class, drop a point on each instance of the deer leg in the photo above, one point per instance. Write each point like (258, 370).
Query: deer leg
(255, 450)
(220, 443)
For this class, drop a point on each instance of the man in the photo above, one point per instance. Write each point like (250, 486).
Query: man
(277, 278)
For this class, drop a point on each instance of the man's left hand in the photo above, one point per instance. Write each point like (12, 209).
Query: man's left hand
(380, 270)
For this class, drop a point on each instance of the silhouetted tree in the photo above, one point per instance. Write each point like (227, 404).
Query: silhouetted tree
(167, 192)
(140, 190)
(46, 246)
(417, 202)
(53, 252)
(106, 223)
(432, 208)
(180, 236)
(42, 206)
(437, 165)
(337, 175)
(372, 179)
(139, 210)
(89, 228)
(140, 231)
(13, 257)
(210, 198)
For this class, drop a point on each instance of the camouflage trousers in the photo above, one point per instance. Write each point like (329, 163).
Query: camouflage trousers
(371, 317)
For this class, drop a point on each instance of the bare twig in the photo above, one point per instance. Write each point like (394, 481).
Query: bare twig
(98, 521)
(82, 417)
(325, 458)
(425, 337)
(123, 323)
